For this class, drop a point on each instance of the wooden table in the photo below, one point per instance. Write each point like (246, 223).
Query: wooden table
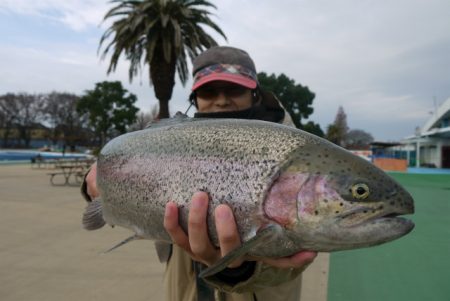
(67, 171)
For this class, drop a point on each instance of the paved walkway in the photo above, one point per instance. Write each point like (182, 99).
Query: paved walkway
(46, 255)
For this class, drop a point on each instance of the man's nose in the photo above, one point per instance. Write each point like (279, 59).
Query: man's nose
(222, 99)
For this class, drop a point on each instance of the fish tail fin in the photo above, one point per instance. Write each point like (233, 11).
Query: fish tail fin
(93, 217)
(125, 241)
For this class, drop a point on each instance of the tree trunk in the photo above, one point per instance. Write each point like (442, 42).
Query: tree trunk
(162, 75)
(6, 132)
(102, 139)
(27, 137)
(163, 109)
(5, 137)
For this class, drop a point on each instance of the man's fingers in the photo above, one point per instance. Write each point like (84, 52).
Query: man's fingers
(173, 228)
(198, 229)
(91, 182)
(227, 232)
(226, 229)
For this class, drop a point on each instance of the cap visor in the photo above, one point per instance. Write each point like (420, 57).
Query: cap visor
(232, 78)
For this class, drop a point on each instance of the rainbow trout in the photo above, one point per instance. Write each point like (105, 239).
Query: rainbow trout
(289, 190)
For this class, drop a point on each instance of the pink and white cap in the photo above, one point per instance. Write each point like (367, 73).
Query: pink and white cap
(225, 72)
(224, 63)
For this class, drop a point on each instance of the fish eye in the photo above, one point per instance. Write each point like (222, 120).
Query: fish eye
(360, 191)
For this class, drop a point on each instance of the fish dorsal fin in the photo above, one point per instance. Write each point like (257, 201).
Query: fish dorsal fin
(93, 217)
(268, 233)
(125, 241)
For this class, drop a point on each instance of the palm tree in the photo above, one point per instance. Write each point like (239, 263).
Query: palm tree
(160, 34)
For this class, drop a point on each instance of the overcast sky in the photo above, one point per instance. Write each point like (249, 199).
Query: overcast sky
(386, 62)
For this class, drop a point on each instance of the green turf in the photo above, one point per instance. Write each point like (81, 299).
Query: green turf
(415, 267)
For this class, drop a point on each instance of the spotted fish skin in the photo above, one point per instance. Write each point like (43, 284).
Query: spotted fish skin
(267, 173)
(231, 160)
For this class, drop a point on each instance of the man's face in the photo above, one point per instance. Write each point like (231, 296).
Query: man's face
(221, 96)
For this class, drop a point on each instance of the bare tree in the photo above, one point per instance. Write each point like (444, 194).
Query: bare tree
(66, 123)
(337, 131)
(9, 110)
(31, 113)
(74, 124)
(144, 118)
(2, 119)
(54, 108)
(26, 112)
(358, 139)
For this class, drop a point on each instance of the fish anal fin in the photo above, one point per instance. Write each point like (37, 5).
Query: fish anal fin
(123, 242)
(258, 240)
(92, 216)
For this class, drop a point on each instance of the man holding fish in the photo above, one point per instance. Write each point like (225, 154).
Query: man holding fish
(292, 205)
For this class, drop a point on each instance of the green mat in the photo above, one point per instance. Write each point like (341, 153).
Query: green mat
(415, 267)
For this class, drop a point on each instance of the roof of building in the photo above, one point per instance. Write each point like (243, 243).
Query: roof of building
(439, 124)
(381, 144)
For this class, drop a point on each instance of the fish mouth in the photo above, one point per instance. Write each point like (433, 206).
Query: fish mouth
(365, 215)
(395, 219)
(374, 228)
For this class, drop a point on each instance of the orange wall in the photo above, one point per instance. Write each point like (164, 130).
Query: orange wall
(391, 164)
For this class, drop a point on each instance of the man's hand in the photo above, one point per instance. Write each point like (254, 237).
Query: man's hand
(199, 246)
(91, 182)
(300, 260)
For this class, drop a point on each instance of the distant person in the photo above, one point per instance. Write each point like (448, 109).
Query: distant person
(225, 86)
(37, 159)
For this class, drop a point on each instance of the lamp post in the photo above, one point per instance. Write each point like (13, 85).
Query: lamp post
(417, 146)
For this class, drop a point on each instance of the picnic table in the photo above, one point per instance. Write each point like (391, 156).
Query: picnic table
(52, 163)
(70, 169)
(39, 162)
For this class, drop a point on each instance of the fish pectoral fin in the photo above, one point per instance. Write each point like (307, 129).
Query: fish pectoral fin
(125, 241)
(258, 240)
(92, 216)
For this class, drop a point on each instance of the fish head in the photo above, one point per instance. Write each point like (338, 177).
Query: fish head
(342, 201)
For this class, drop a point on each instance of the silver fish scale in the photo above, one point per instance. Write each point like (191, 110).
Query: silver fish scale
(235, 161)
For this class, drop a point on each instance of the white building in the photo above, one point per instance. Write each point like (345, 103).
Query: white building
(431, 144)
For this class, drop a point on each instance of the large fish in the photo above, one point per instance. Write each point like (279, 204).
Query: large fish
(289, 190)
